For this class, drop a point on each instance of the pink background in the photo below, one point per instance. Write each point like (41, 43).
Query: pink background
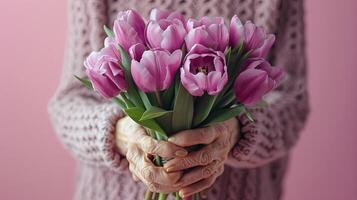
(33, 164)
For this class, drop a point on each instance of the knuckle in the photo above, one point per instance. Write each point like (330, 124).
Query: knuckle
(207, 171)
(148, 174)
(205, 157)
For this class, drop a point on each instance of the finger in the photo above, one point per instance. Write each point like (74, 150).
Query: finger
(161, 148)
(202, 157)
(145, 169)
(198, 136)
(199, 173)
(201, 185)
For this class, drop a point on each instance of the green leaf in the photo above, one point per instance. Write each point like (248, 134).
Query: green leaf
(125, 58)
(183, 110)
(153, 112)
(227, 99)
(128, 103)
(108, 31)
(224, 114)
(203, 107)
(165, 122)
(167, 96)
(85, 82)
(136, 113)
(120, 102)
(145, 99)
(228, 55)
(152, 98)
(132, 91)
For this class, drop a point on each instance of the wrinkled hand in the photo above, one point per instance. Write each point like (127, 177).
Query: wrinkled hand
(207, 163)
(133, 142)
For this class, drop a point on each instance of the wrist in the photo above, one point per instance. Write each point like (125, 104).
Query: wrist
(236, 133)
(121, 138)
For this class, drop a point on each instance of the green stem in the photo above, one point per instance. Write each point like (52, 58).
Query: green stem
(158, 97)
(162, 196)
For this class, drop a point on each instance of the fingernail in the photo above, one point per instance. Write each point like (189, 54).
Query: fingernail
(181, 153)
(172, 139)
(181, 194)
(170, 169)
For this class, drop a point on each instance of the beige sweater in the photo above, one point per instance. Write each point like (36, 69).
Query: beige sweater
(85, 122)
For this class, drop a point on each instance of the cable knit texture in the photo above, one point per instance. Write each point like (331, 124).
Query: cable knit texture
(255, 169)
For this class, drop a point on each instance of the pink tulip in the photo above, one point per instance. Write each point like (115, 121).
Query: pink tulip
(204, 70)
(258, 78)
(156, 70)
(209, 31)
(254, 38)
(129, 29)
(165, 30)
(104, 71)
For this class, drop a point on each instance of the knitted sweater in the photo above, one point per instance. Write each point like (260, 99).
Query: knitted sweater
(85, 122)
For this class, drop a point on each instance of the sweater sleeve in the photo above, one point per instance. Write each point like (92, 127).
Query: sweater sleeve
(84, 121)
(276, 127)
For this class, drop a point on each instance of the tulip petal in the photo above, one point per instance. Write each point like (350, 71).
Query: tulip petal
(213, 80)
(251, 85)
(158, 14)
(266, 46)
(126, 35)
(219, 35)
(236, 32)
(102, 84)
(136, 51)
(143, 77)
(173, 37)
(154, 34)
(257, 39)
(190, 84)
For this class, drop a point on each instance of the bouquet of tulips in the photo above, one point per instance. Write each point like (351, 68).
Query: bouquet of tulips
(170, 74)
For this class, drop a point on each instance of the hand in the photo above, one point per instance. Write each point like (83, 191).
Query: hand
(133, 142)
(207, 163)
